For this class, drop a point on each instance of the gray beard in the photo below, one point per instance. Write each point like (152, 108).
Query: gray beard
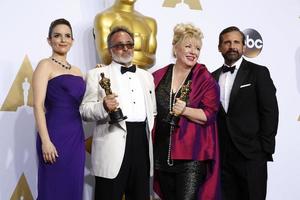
(122, 60)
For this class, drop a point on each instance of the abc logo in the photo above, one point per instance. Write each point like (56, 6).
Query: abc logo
(254, 43)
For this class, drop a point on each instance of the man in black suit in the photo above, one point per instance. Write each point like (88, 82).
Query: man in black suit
(247, 120)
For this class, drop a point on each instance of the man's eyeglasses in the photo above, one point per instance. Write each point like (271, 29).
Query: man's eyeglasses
(122, 46)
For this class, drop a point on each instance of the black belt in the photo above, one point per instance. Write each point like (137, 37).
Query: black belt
(143, 123)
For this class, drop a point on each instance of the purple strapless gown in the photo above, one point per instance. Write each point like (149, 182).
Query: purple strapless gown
(63, 180)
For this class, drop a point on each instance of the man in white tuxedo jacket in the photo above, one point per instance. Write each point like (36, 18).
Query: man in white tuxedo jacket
(121, 154)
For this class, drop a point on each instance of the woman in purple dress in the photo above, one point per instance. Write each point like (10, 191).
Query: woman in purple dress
(58, 88)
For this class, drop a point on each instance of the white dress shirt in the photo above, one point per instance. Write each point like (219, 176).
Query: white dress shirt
(132, 93)
(226, 82)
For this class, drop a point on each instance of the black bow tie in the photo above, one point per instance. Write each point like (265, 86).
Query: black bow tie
(228, 69)
(128, 69)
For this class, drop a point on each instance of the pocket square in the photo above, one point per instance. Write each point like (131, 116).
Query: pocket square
(246, 85)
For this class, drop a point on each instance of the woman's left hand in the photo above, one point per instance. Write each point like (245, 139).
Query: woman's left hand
(179, 107)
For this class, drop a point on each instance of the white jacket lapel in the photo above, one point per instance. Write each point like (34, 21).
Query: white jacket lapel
(115, 87)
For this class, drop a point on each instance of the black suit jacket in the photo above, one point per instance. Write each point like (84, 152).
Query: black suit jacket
(252, 117)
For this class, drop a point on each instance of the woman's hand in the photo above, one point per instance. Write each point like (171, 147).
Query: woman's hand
(49, 152)
(179, 107)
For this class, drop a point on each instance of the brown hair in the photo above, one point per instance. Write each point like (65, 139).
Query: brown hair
(231, 29)
(58, 22)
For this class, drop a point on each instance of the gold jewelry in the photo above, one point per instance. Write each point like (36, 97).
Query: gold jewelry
(67, 66)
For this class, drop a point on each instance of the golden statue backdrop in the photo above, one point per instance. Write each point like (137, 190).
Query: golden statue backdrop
(22, 190)
(20, 93)
(193, 4)
(144, 28)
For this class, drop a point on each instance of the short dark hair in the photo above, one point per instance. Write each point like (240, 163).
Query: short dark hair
(58, 22)
(231, 29)
(117, 29)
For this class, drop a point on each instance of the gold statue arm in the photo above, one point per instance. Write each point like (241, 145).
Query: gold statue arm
(101, 32)
(152, 39)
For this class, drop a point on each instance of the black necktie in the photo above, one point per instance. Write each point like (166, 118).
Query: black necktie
(128, 69)
(228, 69)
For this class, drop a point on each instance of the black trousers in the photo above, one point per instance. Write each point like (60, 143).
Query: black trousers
(134, 176)
(241, 178)
(182, 185)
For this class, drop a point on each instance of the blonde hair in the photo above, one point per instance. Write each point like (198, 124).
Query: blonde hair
(183, 31)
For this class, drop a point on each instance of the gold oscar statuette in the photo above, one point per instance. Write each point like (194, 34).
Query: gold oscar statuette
(172, 118)
(116, 115)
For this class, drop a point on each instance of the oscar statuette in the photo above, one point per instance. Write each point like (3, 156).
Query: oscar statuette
(172, 118)
(116, 115)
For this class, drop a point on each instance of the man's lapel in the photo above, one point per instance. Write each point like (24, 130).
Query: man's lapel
(239, 79)
(115, 84)
(217, 74)
(113, 79)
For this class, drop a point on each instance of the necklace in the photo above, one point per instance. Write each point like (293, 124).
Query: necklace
(171, 103)
(67, 66)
